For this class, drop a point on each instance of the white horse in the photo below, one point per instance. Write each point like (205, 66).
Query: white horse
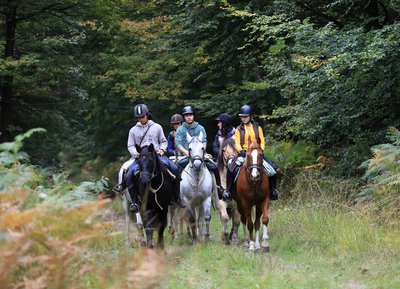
(197, 185)
(126, 202)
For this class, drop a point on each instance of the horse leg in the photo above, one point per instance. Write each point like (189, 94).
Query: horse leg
(161, 227)
(127, 219)
(265, 220)
(192, 222)
(224, 221)
(257, 227)
(236, 224)
(207, 216)
(250, 225)
(170, 219)
(148, 225)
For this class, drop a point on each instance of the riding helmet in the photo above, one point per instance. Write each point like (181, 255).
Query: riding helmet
(245, 110)
(176, 118)
(226, 118)
(141, 110)
(187, 110)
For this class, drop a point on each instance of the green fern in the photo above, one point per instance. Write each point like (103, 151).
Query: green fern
(382, 174)
(384, 168)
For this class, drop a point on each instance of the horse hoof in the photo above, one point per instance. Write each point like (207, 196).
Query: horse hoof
(266, 249)
(225, 238)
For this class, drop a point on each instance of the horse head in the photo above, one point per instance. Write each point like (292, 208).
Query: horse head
(227, 151)
(147, 163)
(254, 159)
(196, 151)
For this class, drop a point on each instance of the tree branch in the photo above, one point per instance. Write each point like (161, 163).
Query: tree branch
(320, 13)
(47, 9)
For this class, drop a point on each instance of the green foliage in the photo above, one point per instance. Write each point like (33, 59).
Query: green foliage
(290, 155)
(382, 174)
(50, 230)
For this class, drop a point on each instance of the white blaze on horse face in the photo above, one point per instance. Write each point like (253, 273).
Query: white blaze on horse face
(254, 171)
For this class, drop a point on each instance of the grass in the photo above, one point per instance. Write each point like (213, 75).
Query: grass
(321, 246)
(317, 240)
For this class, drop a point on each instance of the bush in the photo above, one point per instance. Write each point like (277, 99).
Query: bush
(382, 174)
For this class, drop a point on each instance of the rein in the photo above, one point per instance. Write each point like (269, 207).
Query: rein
(153, 175)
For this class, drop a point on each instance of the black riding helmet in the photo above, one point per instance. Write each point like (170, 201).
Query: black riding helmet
(187, 110)
(245, 110)
(176, 118)
(140, 110)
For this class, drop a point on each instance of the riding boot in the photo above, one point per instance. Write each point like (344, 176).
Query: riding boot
(226, 195)
(133, 189)
(220, 189)
(177, 193)
(273, 192)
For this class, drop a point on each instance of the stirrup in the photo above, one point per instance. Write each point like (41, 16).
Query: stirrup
(226, 196)
(134, 208)
(180, 203)
(274, 195)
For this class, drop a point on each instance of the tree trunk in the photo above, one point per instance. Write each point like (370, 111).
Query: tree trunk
(6, 91)
(372, 10)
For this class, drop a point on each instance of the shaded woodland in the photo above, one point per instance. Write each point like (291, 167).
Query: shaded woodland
(323, 73)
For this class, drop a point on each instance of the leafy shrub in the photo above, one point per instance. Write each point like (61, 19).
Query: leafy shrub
(382, 174)
(288, 154)
(56, 234)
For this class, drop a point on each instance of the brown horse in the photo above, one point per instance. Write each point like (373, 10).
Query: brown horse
(227, 209)
(252, 190)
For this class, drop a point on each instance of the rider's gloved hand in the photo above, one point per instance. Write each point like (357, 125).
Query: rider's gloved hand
(242, 153)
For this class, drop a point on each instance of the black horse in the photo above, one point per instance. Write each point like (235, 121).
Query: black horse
(155, 191)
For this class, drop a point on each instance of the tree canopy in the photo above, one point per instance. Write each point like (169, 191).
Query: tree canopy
(320, 71)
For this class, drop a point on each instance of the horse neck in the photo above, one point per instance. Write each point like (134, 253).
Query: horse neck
(196, 174)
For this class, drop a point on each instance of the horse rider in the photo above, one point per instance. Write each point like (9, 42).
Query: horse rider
(193, 128)
(249, 128)
(176, 121)
(144, 133)
(225, 130)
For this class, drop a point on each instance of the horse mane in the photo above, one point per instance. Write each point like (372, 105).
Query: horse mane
(227, 142)
(158, 162)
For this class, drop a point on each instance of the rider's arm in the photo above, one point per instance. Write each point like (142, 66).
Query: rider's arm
(237, 140)
(171, 144)
(180, 133)
(131, 144)
(261, 134)
(216, 146)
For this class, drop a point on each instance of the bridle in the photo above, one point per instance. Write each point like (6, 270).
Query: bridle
(258, 167)
(194, 158)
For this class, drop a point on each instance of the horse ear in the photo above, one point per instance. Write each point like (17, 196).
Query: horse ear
(151, 148)
(188, 137)
(248, 142)
(138, 148)
(201, 136)
(259, 140)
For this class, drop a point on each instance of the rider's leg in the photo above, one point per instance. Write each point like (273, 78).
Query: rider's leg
(176, 182)
(273, 192)
(131, 182)
(214, 169)
(226, 195)
(182, 163)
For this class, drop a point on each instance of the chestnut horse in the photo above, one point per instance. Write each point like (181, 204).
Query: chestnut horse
(252, 190)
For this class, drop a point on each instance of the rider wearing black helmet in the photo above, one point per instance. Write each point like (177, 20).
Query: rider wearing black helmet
(250, 128)
(225, 130)
(193, 128)
(147, 132)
